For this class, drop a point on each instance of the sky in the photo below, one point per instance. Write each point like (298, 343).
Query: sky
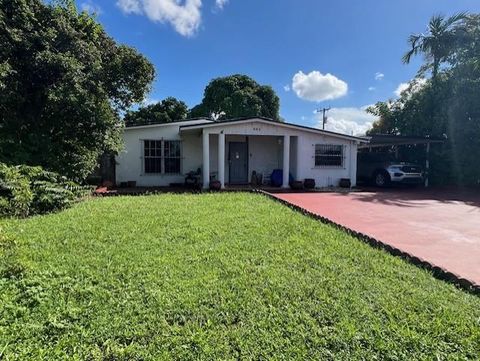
(341, 54)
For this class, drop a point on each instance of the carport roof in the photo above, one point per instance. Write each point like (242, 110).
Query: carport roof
(385, 140)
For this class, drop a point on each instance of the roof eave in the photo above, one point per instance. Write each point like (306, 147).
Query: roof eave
(277, 123)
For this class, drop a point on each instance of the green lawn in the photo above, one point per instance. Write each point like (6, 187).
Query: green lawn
(217, 276)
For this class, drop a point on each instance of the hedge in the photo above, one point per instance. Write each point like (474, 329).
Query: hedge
(27, 190)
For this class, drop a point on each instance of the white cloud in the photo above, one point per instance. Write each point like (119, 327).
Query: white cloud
(184, 16)
(371, 88)
(150, 101)
(286, 88)
(220, 3)
(318, 87)
(90, 7)
(401, 88)
(130, 6)
(379, 76)
(415, 85)
(349, 120)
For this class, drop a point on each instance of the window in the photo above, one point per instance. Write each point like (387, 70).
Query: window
(153, 156)
(328, 155)
(162, 156)
(172, 156)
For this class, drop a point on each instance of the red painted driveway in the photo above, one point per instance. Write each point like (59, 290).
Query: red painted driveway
(442, 227)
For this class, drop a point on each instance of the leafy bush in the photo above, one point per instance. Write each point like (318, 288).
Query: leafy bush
(10, 266)
(26, 190)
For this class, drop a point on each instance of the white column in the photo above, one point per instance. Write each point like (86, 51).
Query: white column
(221, 158)
(206, 159)
(286, 161)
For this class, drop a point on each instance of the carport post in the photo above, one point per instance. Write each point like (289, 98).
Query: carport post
(427, 164)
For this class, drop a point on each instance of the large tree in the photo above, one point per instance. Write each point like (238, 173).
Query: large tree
(166, 111)
(438, 43)
(63, 84)
(444, 106)
(237, 96)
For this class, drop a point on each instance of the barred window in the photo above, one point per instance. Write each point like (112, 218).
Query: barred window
(152, 156)
(162, 156)
(328, 155)
(172, 156)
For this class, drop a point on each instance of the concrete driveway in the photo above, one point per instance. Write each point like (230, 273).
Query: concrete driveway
(440, 226)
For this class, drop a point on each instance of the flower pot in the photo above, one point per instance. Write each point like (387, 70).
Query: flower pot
(345, 183)
(215, 185)
(309, 183)
(296, 185)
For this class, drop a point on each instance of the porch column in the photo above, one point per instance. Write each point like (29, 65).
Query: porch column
(206, 159)
(221, 158)
(286, 160)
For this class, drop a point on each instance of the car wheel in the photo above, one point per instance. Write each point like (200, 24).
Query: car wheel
(381, 179)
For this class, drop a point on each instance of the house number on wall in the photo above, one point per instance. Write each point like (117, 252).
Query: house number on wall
(257, 129)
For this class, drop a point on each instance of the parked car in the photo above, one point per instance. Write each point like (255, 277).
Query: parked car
(382, 169)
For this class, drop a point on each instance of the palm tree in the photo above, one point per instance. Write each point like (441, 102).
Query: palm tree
(438, 43)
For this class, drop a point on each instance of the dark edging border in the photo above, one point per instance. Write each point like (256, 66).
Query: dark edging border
(171, 191)
(438, 272)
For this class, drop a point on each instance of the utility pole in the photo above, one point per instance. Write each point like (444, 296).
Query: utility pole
(324, 115)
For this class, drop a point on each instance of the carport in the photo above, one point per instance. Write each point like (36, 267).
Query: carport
(390, 141)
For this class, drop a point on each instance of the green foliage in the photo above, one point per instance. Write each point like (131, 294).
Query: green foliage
(10, 266)
(219, 277)
(26, 190)
(15, 193)
(238, 96)
(445, 105)
(438, 44)
(64, 82)
(166, 111)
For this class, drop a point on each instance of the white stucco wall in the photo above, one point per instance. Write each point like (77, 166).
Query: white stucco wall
(303, 156)
(265, 150)
(129, 165)
(325, 176)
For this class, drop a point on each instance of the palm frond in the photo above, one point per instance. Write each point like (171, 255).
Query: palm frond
(452, 20)
(413, 40)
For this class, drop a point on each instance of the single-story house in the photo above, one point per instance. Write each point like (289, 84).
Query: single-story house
(229, 151)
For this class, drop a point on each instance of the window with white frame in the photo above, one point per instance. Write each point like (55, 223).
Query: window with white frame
(329, 155)
(172, 156)
(162, 156)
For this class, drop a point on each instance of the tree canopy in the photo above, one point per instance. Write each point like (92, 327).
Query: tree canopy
(438, 43)
(166, 111)
(63, 84)
(445, 106)
(237, 96)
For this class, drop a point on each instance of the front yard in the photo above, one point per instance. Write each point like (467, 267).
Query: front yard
(216, 276)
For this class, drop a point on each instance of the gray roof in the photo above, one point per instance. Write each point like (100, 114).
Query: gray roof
(274, 122)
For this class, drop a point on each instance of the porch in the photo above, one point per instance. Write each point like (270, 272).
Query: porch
(231, 159)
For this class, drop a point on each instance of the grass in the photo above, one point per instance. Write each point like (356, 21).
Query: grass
(217, 276)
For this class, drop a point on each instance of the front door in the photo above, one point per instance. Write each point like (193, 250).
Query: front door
(238, 161)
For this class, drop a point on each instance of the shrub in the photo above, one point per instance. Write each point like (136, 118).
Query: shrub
(15, 192)
(26, 190)
(10, 266)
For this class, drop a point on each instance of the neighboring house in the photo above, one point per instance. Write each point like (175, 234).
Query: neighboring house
(229, 151)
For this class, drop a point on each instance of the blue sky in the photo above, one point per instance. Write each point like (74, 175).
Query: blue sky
(290, 45)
